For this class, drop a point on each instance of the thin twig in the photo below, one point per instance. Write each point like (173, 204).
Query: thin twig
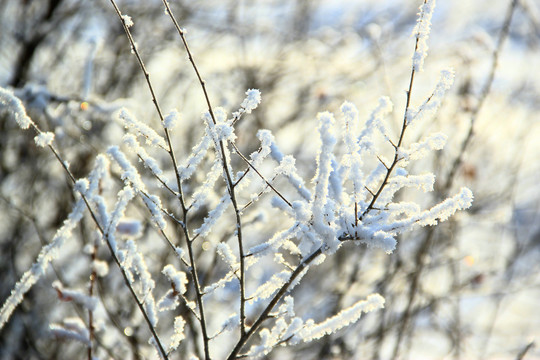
(158, 178)
(28, 215)
(112, 251)
(486, 89)
(266, 312)
(228, 176)
(424, 247)
(239, 153)
(524, 351)
(93, 276)
(390, 168)
(193, 267)
(245, 172)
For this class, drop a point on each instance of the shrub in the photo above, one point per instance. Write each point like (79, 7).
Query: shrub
(211, 231)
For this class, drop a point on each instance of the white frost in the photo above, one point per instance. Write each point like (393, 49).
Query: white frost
(421, 32)
(127, 20)
(15, 108)
(129, 121)
(178, 335)
(252, 100)
(170, 121)
(313, 331)
(44, 139)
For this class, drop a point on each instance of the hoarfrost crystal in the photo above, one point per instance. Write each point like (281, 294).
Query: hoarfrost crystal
(44, 139)
(421, 32)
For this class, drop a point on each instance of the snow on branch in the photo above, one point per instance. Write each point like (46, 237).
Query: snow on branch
(15, 108)
(266, 138)
(47, 254)
(445, 209)
(297, 330)
(375, 121)
(170, 121)
(345, 317)
(129, 172)
(340, 212)
(132, 178)
(230, 276)
(250, 103)
(345, 201)
(95, 181)
(252, 100)
(222, 130)
(124, 197)
(178, 335)
(270, 287)
(178, 280)
(419, 150)
(131, 122)
(148, 161)
(204, 191)
(226, 253)
(321, 207)
(214, 215)
(44, 139)
(71, 329)
(76, 296)
(421, 32)
(197, 154)
(133, 264)
(127, 20)
(430, 106)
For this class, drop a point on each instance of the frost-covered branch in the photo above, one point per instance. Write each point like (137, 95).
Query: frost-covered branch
(250, 103)
(82, 186)
(271, 305)
(421, 32)
(167, 125)
(221, 252)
